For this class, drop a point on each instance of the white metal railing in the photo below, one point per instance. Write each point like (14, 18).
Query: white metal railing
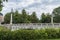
(31, 25)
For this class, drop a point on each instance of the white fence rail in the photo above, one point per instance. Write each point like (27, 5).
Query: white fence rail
(31, 26)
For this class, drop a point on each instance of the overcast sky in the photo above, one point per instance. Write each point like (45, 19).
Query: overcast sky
(39, 6)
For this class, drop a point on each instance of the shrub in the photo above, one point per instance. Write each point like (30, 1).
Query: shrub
(30, 34)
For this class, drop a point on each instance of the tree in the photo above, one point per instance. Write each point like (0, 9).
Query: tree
(56, 14)
(16, 17)
(48, 18)
(1, 4)
(28, 18)
(21, 18)
(45, 18)
(7, 18)
(34, 18)
(24, 16)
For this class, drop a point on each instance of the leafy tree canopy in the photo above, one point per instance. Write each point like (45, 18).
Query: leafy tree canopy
(56, 14)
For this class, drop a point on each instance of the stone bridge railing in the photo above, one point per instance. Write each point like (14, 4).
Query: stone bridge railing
(31, 26)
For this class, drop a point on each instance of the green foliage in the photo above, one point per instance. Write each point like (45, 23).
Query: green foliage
(34, 18)
(56, 14)
(21, 18)
(1, 5)
(16, 17)
(24, 16)
(45, 18)
(2, 28)
(22, 34)
(7, 18)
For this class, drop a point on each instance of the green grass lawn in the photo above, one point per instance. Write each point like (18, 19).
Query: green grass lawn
(49, 39)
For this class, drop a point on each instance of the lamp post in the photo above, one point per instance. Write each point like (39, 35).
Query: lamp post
(11, 17)
(52, 20)
(11, 20)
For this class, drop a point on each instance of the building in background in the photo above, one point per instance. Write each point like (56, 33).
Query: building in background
(1, 18)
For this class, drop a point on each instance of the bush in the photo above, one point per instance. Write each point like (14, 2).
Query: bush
(30, 34)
